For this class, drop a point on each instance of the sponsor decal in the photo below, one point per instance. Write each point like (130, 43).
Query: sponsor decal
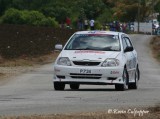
(90, 51)
(114, 72)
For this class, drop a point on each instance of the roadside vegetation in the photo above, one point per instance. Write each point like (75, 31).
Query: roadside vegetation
(54, 12)
(155, 45)
(35, 18)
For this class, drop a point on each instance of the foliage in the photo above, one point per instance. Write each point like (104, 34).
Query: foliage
(14, 16)
(90, 9)
(106, 16)
(101, 10)
(157, 8)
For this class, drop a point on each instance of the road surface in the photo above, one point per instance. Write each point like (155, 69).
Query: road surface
(33, 93)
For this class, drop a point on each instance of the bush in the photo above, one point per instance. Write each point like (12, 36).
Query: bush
(12, 16)
(106, 16)
(98, 25)
(49, 22)
(36, 18)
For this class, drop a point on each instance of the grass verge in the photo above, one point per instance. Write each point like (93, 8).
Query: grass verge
(155, 45)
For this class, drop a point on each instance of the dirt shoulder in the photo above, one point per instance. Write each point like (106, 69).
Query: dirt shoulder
(14, 67)
(155, 45)
(150, 113)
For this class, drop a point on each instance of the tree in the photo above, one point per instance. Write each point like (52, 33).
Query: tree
(102, 10)
(92, 9)
(4, 4)
(157, 9)
(14, 16)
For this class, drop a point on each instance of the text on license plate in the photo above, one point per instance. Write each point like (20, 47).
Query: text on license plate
(85, 71)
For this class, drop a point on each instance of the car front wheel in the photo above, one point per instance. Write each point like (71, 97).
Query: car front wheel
(135, 84)
(124, 86)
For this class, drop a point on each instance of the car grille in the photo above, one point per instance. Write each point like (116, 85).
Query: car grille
(85, 76)
(82, 63)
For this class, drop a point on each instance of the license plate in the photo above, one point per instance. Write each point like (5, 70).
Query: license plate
(85, 71)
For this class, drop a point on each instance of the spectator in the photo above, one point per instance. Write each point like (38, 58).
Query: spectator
(68, 22)
(114, 26)
(92, 24)
(86, 24)
(124, 26)
(117, 26)
(111, 26)
(80, 23)
(62, 25)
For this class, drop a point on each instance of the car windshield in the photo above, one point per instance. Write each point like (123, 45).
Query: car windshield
(101, 42)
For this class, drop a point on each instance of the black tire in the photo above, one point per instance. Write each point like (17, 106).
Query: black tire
(59, 86)
(138, 74)
(74, 86)
(123, 87)
(135, 84)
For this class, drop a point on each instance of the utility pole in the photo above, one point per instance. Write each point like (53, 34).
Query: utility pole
(139, 3)
(152, 10)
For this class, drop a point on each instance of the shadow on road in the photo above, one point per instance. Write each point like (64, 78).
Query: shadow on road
(100, 90)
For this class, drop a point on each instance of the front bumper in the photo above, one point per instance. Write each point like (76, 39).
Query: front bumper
(97, 76)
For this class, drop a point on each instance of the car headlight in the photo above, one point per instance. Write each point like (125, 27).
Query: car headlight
(64, 61)
(110, 62)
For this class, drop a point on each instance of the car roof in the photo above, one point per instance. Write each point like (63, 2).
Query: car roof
(99, 32)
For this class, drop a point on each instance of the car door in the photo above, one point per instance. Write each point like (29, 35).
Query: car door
(130, 56)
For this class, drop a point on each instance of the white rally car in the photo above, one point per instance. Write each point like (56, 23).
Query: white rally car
(98, 58)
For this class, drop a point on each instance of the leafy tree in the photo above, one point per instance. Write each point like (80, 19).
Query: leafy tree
(106, 16)
(157, 9)
(4, 4)
(91, 9)
(101, 10)
(60, 14)
(14, 16)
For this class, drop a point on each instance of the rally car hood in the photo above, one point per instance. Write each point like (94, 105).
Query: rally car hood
(88, 55)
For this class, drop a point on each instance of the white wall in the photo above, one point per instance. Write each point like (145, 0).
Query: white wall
(143, 27)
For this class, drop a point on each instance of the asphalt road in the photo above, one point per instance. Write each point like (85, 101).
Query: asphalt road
(32, 92)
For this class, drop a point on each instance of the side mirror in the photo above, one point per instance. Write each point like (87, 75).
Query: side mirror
(58, 47)
(128, 49)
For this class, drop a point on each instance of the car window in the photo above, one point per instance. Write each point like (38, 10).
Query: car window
(102, 42)
(128, 42)
(124, 43)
